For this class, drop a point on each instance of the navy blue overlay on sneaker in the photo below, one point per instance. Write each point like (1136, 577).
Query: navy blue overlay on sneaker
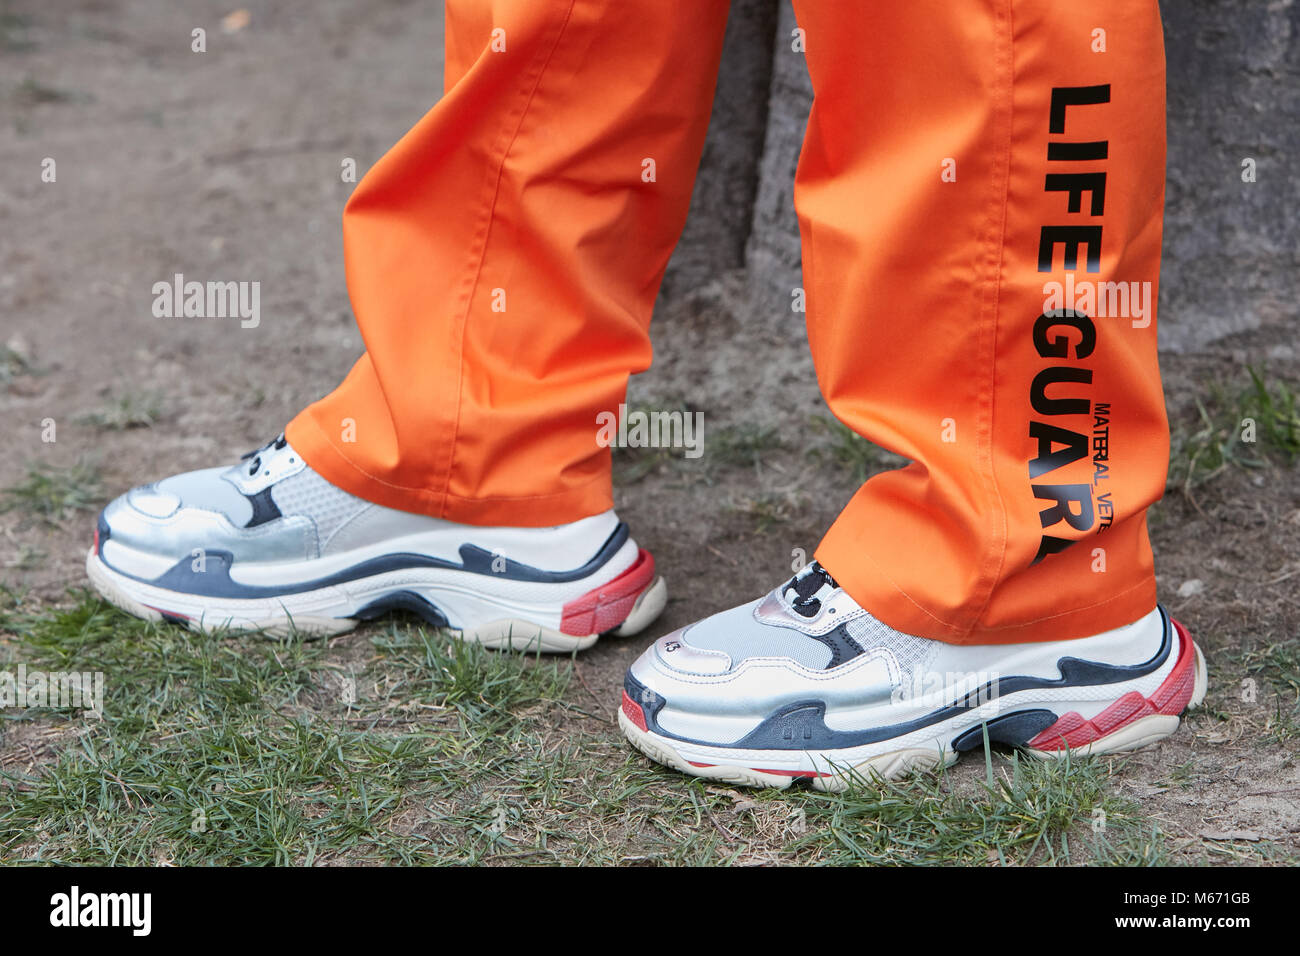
(215, 581)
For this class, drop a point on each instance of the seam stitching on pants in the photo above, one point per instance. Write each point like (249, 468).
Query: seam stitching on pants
(1006, 79)
(477, 255)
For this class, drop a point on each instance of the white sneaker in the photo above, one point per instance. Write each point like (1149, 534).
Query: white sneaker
(805, 683)
(271, 545)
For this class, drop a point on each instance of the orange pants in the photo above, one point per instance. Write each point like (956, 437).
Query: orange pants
(963, 162)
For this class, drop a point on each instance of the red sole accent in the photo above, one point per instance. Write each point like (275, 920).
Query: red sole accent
(1170, 698)
(778, 773)
(792, 773)
(166, 613)
(608, 606)
(634, 712)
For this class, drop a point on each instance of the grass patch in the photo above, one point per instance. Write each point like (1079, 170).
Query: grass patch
(25, 557)
(1027, 812)
(13, 32)
(742, 446)
(246, 750)
(766, 511)
(53, 494)
(125, 411)
(1251, 425)
(633, 463)
(1265, 679)
(399, 745)
(32, 92)
(14, 364)
(850, 452)
(1275, 663)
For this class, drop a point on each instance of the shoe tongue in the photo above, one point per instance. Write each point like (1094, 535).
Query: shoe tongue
(275, 444)
(810, 586)
(262, 454)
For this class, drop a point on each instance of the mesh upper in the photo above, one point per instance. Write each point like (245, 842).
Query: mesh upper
(912, 653)
(308, 494)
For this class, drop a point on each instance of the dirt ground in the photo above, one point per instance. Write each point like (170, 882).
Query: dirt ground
(225, 164)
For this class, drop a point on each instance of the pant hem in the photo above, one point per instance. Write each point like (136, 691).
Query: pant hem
(530, 511)
(888, 602)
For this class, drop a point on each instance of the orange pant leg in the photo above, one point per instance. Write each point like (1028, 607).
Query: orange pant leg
(503, 258)
(961, 162)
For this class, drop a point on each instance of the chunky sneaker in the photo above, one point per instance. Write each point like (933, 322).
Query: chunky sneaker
(271, 545)
(805, 683)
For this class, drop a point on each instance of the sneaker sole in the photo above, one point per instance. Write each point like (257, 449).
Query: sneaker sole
(623, 606)
(1127, 724)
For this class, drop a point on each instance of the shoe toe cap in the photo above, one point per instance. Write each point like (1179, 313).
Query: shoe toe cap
(674, 670)
(152, 502)
(146, 530)
(675, 652)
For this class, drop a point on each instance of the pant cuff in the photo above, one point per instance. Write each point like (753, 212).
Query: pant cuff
(533, 511)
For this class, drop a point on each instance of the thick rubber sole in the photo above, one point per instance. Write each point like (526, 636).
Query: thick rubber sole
(1131, 725)
(624, 606)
